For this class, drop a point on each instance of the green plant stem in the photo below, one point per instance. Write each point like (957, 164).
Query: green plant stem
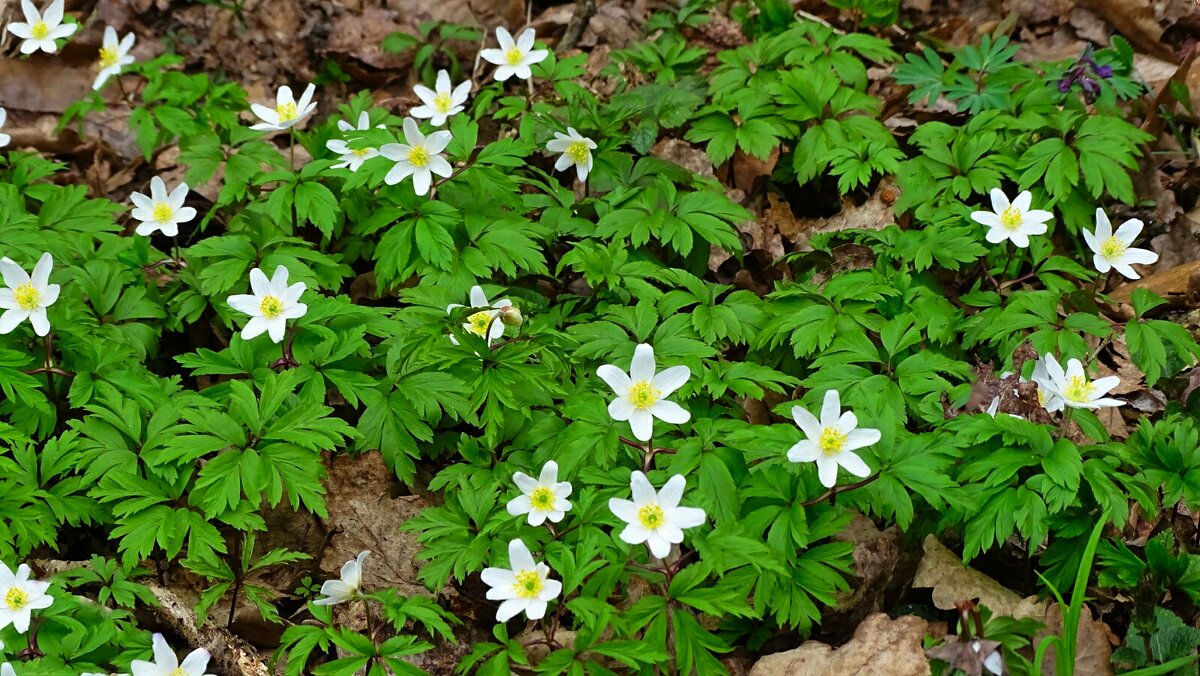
(1065, 425)
(287, 360)
(1096, 289)
(292, 148)
(370, 619)
(1008, 260)
(234, 561)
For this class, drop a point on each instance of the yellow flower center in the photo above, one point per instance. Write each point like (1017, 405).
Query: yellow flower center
(528, 585)
(514, 57)
(162, 212)
(578, 152)
(16, 598)
(360, 152)
(650, 516)
(442, 103)
(831, 441)
(478, 323)
(40, 30)
(1112, 248)
(418, 156)
(108, 57)
(1011, 218)
(643, 394)
(542, 499)
(286, 111)
(26, 296)
(178, 672)
(1078, 389)
(270, 306)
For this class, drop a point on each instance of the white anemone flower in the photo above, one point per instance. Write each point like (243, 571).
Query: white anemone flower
(1013, 221)
(514, 57)
(1047, 398)
(39, 31)
(352, 158)
(525, 586)
(27, 296)
(1112, 250)
(287, 111)
(161, 210)
(542, 498)
(20, 596)
(420, 157)
(479, 321)
(270, 305)
(442, 101)
(642, 394)
(576, 150)
(167, 664)
(114, 55)
(347, 588)
(5, 139)
(1072, 388)
(831, 440)
(655, 517)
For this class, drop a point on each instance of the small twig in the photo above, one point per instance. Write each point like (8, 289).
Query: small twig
(478, 60)
(584, 11)
(813, 17)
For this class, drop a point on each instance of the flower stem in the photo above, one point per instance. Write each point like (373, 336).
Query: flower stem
(1012, 255)
(829, 494)
(287, 360)
(1065, 424)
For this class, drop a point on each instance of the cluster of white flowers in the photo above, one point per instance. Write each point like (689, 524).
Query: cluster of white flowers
(1059, 389)
(41, 31)
(420, 156)
(1015, 221)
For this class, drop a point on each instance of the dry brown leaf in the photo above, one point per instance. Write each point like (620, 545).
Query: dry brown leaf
(873, 214)
(967, 655)
(953, 581)
(882, 566)
(360, 36)
(747, 171)
(880, 645)
(362, 505)
(685, 155)
(42, 85)
(1093, 643)
(1174, 284)
(779, 215)
(488, 13)
(1135, 19)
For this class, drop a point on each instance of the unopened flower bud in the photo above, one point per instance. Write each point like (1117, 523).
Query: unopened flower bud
(511, 316)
